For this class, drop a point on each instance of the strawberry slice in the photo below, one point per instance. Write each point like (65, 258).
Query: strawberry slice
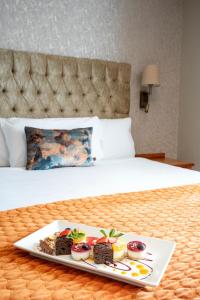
(106, 240)
(65, 232)
(102, 240)
(112, 240)
(91, 240)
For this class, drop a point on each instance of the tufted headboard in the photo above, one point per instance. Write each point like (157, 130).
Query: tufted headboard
(38, 85)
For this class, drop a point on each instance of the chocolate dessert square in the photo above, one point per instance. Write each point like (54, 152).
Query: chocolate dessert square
(63, 245)
(103, 253)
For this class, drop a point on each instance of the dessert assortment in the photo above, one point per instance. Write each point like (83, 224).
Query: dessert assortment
(109, 250)
(136, 260)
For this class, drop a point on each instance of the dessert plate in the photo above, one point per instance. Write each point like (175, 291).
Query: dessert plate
(148, 271)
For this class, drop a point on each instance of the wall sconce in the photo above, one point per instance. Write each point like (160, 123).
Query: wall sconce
(150, 78)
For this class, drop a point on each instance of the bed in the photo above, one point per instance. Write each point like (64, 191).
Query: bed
(130, 194)
(107, 177)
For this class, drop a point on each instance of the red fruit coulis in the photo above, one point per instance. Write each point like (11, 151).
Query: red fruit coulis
(135, 246)
(81, 247)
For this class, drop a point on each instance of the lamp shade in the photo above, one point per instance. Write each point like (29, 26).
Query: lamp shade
(151, 75)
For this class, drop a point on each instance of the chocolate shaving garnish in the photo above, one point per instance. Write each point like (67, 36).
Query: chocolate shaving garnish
(147, 259)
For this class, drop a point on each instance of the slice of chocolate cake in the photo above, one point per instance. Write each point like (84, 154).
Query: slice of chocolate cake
(63, 245)
(103, 253)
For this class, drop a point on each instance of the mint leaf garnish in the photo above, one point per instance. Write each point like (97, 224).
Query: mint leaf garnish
(103, 232)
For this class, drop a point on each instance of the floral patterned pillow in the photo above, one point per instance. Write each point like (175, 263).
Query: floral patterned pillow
(49, 148)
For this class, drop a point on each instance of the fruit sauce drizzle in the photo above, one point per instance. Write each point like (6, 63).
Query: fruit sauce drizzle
(127, 268)
(149, 268)
(111, 265)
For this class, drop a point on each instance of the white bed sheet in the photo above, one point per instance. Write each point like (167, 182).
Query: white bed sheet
(19, 187)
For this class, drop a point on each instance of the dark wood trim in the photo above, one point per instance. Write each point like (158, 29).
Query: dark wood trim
(186, 165)
(160, 157)
(151, 155)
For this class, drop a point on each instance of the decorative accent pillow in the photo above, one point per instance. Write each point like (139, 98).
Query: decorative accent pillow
(13, 130)
(48, 148)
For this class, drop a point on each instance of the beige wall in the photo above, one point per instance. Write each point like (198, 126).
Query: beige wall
(189, 124)
(134, 31)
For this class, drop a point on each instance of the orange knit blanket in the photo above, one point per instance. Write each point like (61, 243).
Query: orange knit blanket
(172, 213)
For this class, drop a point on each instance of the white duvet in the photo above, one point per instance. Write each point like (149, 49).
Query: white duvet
(19, 187)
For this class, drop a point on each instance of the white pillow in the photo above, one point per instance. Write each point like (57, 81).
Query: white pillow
(4, 158)
(117, 141)
(13, 130)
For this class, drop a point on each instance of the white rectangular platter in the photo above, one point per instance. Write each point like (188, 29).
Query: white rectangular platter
(160, 252)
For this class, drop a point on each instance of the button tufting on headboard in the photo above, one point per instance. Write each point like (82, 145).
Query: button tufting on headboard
(62, 86)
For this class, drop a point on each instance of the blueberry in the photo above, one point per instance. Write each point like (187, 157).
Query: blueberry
(85, 247)
(141, 246)
(67, 228)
